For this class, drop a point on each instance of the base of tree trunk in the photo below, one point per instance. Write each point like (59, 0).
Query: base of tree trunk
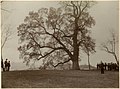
(75, 65)
(89, 67)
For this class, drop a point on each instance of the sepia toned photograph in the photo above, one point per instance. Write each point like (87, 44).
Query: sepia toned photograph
(60, 44)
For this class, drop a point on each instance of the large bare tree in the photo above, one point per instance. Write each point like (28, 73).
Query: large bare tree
(111, 46)
(56, 33)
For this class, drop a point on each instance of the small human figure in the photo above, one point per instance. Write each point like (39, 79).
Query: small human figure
(97, 66)
(109, 66)
(102, 68)
(2, 65)
(6, 64)
(105, 66)
(114, 66)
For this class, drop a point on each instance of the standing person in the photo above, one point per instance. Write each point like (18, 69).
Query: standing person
(97, 66)
(105, 66)
(102, 68)
(108, 66)
(2, 65)
(6, 64)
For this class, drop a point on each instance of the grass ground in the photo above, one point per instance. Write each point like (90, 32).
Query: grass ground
(60, 79)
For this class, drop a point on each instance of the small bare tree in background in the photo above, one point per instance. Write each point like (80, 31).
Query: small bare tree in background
(5, 30)
(110, 46)
(6, 34)
(89, 48)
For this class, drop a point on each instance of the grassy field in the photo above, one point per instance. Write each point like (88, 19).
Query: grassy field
(60, 79)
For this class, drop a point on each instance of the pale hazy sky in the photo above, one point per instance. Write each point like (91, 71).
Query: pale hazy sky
(105, 13)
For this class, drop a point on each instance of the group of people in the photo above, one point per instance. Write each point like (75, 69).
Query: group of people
(6, 65)
(107, 66)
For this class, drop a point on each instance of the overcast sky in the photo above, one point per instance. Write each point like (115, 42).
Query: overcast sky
(104, 12)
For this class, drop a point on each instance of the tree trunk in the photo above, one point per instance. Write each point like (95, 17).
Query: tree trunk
(88, 61)
(75, 65)
(116, 59)
(75, 61)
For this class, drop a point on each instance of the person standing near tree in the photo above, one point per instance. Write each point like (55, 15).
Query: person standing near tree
(2, 65)
(105, 66)
(102, 68)
(8, 65)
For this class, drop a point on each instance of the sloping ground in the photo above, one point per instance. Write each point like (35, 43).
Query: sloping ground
(60, 79)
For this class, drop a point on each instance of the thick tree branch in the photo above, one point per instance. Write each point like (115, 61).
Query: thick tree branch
(85, 6)
(65, 49)
(105, 48)
(69, 53)
(50, 52)
(75, 8)
(61, 63)
(45, 46)
(4, 43)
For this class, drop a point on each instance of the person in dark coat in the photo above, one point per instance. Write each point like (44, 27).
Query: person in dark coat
(6, 68)
(102, 68)
(97, 66)
(108, 66)
(2, 65)
(8, 65)
(105, 66)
